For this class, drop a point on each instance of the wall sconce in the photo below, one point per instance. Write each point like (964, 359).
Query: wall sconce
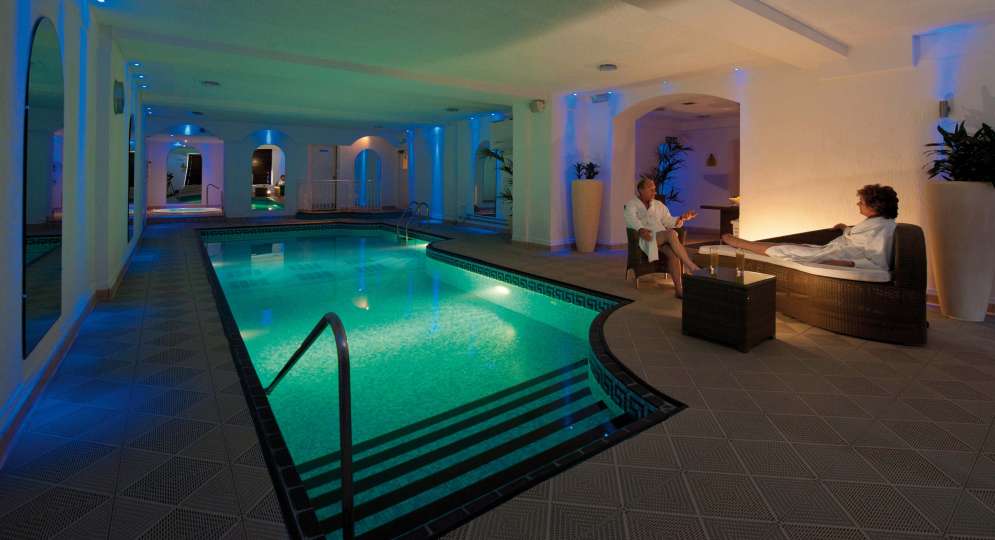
(711, 161)
(944, 108)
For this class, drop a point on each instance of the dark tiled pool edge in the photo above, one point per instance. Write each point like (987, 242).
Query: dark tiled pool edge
(651, 407)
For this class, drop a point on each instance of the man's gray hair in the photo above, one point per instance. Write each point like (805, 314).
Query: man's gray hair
(642, 182)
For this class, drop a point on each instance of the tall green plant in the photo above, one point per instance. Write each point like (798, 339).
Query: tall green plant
(507, 167)
(670, 159)
(587, 171)
(963, 157)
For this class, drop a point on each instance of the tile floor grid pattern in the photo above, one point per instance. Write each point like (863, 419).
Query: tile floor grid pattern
(132, 438)
(788, 441)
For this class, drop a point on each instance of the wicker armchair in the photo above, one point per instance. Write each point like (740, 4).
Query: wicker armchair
(893, 312)
(638, 263)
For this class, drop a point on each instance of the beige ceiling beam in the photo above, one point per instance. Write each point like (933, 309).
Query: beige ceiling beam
(753, 25)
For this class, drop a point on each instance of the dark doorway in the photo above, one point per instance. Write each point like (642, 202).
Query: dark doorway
(262, 166)
(194, 171)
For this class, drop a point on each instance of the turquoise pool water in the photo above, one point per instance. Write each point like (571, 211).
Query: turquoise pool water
(425, 338)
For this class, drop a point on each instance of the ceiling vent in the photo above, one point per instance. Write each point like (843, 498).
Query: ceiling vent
(210, 83)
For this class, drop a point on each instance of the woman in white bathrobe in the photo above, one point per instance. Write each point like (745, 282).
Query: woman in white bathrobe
(865, 245)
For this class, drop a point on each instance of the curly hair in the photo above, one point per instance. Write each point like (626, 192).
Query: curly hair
(882, 199)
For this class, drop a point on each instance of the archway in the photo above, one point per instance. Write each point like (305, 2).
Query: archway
(269, 178)
(42, 195)
(184, 176)
(691, 141)
(368, 173)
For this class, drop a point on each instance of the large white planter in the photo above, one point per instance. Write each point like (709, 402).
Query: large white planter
(586, 196)
(961, 239)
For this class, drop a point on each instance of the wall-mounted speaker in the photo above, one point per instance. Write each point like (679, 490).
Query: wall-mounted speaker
(945, 108)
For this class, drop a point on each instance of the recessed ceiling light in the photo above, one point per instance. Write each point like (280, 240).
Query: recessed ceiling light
(136, 64)
(143, 86)
(689, 103)
(452, 109)
(607, 67)
(210, 83)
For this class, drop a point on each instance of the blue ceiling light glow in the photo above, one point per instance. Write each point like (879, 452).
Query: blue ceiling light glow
(136, 64)
(269, 136)
(140, 76)
(143, 85)
(187, 129)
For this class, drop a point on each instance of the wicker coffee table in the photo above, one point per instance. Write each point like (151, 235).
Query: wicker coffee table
(729, 309)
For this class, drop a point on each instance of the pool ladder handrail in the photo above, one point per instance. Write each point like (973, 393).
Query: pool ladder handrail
(413, 205)
(331, 320)
(221, 193)
(408, 222)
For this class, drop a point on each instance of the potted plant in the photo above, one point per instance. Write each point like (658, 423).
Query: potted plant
(670, 158)
(961, 216)
(586, 193)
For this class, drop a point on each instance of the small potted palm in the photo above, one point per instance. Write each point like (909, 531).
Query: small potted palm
(960, 210)
(586, 194)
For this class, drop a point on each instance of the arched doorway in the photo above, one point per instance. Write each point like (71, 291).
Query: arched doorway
(689, 140)
(184, 176)
(42, 195)
(368, 172)
(269, 178)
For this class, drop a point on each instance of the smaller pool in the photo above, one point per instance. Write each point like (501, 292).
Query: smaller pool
(265, 203)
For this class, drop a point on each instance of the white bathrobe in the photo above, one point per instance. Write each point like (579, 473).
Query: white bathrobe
(656, 218)
(868, 244)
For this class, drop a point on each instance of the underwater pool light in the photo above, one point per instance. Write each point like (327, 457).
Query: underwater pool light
(500, 290)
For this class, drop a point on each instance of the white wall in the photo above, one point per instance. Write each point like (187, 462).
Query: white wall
(240, 139)
(212, 155)
(810, 139)
(94, 244)
(390, 179)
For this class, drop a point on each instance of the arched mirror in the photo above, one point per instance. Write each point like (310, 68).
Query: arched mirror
(485, 182)
(269, 178)
(131, 177)
(368, 173)
(42, 240)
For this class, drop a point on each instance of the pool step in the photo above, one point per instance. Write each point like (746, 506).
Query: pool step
(401, 475)
(381, 440)
(413, 489)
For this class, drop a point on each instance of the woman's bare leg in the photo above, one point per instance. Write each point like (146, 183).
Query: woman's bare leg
(674, 267)
(669, 238)
(759, 248)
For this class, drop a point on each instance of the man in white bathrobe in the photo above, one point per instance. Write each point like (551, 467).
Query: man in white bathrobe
(867, 244)
(656, 225)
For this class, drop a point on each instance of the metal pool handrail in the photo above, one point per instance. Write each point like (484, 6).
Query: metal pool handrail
(397, 225)
(221, 192)
(408, 222)
(331, 320)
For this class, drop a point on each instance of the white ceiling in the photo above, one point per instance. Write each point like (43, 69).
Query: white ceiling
(400, 62)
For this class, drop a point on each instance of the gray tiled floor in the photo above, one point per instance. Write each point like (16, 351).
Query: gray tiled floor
(144, 431)
(139, 434)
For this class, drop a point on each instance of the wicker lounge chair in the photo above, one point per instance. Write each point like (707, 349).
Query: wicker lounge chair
(638, 263)
(893, 311)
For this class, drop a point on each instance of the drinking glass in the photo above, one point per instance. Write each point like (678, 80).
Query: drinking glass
(713, 261)
(740, 262)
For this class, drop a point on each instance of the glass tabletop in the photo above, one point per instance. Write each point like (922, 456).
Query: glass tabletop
(728, 275)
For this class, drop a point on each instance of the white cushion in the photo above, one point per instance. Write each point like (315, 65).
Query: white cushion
(827, 270)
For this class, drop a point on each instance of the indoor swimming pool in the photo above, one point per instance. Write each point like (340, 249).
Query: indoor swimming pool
(463, 384)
